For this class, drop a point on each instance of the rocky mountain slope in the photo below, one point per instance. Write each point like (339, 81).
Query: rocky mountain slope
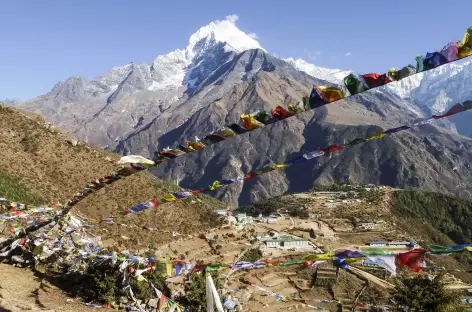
(431, 158)
(41, 165)
(223, 72)
(161, 96)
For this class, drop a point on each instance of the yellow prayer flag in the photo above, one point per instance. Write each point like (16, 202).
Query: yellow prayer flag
(465, 46)
(194, 146)
(330, 94)
(280, 166)
(215, 185)
(295, 109)
(249, 122)
(169, 198)
(376, 136)
(326, 256)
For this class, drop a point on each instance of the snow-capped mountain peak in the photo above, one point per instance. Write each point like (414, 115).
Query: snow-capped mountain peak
(328, 74)
(224, 31)
(170, 70)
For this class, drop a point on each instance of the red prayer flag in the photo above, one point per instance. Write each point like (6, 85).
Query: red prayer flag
(162, 302)
(458, 108)
(249, 175)
(332, 149)
(374, 80)
(281, 113)
(411, 259)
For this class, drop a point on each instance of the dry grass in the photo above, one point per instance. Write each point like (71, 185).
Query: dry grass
(184, 216)
(43, 159)
(43, 165)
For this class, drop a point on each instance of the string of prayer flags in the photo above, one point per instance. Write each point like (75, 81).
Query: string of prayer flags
(437, 249)
(8, 205)
(320, 96)
(331, 149)
(355, 84)
(456, 109)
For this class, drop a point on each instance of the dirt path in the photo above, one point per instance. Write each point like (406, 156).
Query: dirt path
(231, 272)
(21, 290)
(372, 278)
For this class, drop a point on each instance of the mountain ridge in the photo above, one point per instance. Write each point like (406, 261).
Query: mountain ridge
(211, 83)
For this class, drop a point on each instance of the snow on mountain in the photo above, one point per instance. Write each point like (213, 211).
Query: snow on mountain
(434, 91)
(332, 75)
(115, 75)
(170, 71)
(224, 31)
(182, 82)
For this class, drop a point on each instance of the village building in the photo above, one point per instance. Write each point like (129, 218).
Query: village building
(405, 244)
(328, 235)
(242, 220)
(366, 226)
(287, 242)
(262, 236)
(393, 244)
(271, 219)
(377, 243)
(224, 212)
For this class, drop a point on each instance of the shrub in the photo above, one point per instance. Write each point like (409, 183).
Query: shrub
(252, 255)
(449, 215)
(422, 293)
(195, 291)
(13, 189)
(103, 283)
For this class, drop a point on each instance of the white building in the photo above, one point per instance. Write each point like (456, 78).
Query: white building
(366, 226)
(377, 243)
(271, 219)
(243, 219)
(287, 242)
(328, 235)
(224, 212)
(400, 243)
(261, 236)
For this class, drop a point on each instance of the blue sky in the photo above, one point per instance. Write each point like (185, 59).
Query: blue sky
(43, 42)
